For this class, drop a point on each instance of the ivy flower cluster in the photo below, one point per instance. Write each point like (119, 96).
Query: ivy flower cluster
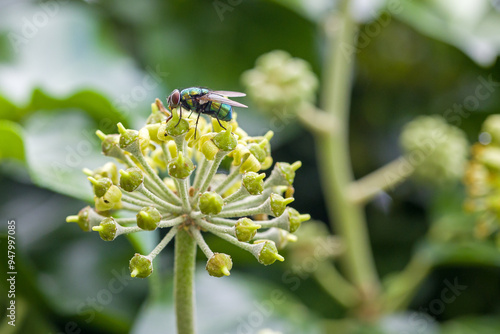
(168, 178)
(482, 180)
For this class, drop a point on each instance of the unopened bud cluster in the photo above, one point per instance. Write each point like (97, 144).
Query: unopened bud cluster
(482, 180)
(438, 151)
(280, 83)
(169, 179)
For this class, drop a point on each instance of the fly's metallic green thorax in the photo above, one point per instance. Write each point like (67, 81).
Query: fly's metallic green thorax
(205, 101)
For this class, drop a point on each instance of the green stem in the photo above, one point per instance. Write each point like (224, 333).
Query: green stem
(384, 178)
(228, 181)
(336, 285)
(160, 202)
(402, 287)
(263, 208)
(215, 228)
(334, 159)
(132, 200)
(213, 169)
(201, 242)
(169, 194)
(182, 187)
(166, 239)
(201, 170)
(184, 265)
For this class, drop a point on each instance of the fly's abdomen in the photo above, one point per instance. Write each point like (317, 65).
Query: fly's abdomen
(226, 112)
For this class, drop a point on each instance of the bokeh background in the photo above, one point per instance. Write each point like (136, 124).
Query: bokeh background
(70, 67)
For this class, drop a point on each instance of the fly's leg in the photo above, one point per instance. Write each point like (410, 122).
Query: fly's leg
(180, 116)
(196, 125)
(217, 116)
(218, 120)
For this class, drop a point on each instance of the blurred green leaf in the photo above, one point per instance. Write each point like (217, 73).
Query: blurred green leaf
(472, 325)
(470, 26)
(479, 253)
(11, 141)
(58, 147)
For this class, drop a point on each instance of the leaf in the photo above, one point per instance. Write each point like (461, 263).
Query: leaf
(478, 253)
(11, 141)
(58, 147)
(471, 325)
(467, 25)
(81, 61)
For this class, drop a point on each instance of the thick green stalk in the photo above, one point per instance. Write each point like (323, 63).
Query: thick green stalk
(347, 218)
(403, 286)
(184, 264)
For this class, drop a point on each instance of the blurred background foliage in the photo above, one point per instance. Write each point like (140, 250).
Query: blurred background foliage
(69, 67)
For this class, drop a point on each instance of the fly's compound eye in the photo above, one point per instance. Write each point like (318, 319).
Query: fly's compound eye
(174, 99)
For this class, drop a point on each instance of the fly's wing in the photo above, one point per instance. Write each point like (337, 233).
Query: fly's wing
(228, 93)
(221, 99)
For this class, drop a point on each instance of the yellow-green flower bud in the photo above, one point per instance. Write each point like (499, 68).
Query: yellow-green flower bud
(492, 126)
(140, 266)
(258, 151)
(107, 229)
(101, 186)
(245, 229)
(219, 265)
(162, 134)
(287, 171)
(127, 136)
(86, 219)
(109, 171)
(296, 219)
(110, 145)
(156, 117)
(131, 179)
(144, 139)
(254, 183)
(175, 128)
(251, 164)
(210, 203)
(113, 195)
(153, 130)
(278, 204)
(102, 206)
(268, 162)
(239, 154)
(279, 236)
(266, 252)
(181, 167)
(148, 218)
(225, 140)
(489, 156)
